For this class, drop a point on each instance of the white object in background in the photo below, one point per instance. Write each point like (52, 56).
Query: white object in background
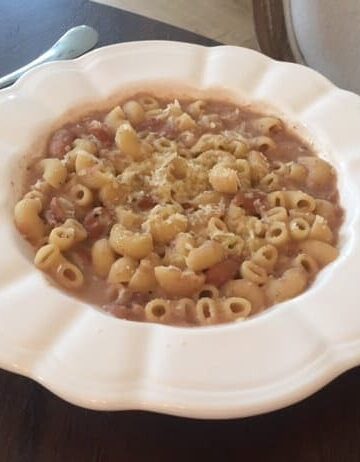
(325, 34)
(226, 21)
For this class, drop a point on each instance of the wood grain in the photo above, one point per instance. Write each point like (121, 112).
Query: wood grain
(36, 426)
(271, 29)
(28, 28)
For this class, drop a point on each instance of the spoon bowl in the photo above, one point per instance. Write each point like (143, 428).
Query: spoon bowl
(75, 42)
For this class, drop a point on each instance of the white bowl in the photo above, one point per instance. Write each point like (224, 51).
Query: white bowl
(241, 369)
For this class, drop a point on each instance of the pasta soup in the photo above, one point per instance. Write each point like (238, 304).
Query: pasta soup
(184, 212)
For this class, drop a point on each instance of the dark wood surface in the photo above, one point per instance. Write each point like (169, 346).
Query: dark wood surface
(29, 27)
(36, 426)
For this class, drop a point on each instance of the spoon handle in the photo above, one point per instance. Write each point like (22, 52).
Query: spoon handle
(72, 44)
(13, 76)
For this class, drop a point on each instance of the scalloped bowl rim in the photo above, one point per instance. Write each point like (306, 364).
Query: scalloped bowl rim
(235, 370)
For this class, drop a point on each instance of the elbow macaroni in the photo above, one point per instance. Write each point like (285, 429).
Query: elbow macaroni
(28, 221)
(131, 244)
(103, 258)
(188, 212)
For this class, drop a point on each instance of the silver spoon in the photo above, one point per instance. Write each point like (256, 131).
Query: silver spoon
(73, 43)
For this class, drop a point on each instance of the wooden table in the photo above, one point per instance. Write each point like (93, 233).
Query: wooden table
(36, 426)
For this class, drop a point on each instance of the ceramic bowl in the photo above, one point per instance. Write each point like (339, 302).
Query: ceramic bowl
(240, 369)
